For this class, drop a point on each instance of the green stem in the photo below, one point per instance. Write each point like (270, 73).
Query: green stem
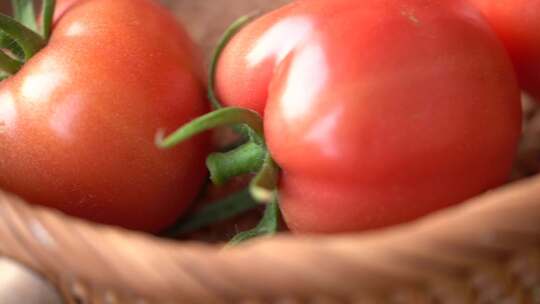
(23, 11)
(218, 118)
(47, 14)
(221, 210)
(263, 186)
(232, 30)
(8, 64)
(268, 226)
(28, 40)
(247, 158)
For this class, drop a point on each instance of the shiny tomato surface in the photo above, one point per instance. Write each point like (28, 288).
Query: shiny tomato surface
(377, 111)
(518, 24)
(78, 121)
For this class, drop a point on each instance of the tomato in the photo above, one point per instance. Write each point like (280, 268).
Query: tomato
(517, 22)
(377, 111)
(78, 121)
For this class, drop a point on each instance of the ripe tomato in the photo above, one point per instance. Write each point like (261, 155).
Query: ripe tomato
(78, 121)
(378, 111)
(518, 24)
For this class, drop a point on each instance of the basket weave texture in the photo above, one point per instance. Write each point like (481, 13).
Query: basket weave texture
(486, 250)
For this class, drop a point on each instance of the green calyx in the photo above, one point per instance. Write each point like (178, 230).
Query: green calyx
(250, 157)
(19, 36)
(233, 29)
(268, 226)
(223, 209)
(9, 65)
(219, 118)
(23, 11)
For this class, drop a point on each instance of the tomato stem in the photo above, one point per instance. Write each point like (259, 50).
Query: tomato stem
(250, 157)
(218, 118)
(28, 40)
(220, 210)
(268, 226)
(263, 186)
(232, 30)
(23, 11)
(247, 158)
(47, 14)
(9, 65)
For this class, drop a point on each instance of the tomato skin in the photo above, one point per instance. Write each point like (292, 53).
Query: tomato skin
(80, 118)
(517, 23)
(381, 112)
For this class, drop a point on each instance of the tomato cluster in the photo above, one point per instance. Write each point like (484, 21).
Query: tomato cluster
(376, 112)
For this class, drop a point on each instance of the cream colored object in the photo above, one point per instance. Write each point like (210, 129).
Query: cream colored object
(18, 285)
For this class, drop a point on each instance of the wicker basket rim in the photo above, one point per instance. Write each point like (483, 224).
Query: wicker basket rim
(84, 257)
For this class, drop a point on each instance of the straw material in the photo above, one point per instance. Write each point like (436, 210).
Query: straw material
(484, 251)
(487, 248)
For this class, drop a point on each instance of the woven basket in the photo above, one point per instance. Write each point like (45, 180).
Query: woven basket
(486, 250)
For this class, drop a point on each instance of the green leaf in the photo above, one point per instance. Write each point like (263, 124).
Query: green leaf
(222, 210)
(23, 11)
(268, 226)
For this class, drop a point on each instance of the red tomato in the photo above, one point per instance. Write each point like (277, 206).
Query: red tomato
(78, 121)
(518, 24)
(378, 111)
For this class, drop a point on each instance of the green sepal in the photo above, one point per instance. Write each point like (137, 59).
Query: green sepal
(263, 186)
(47, 14)
(8, 64)
(10, 45)
(23, 12)
(224, 209)
(268, 226)
(219, 118)
(232, 30)
(29, 41)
